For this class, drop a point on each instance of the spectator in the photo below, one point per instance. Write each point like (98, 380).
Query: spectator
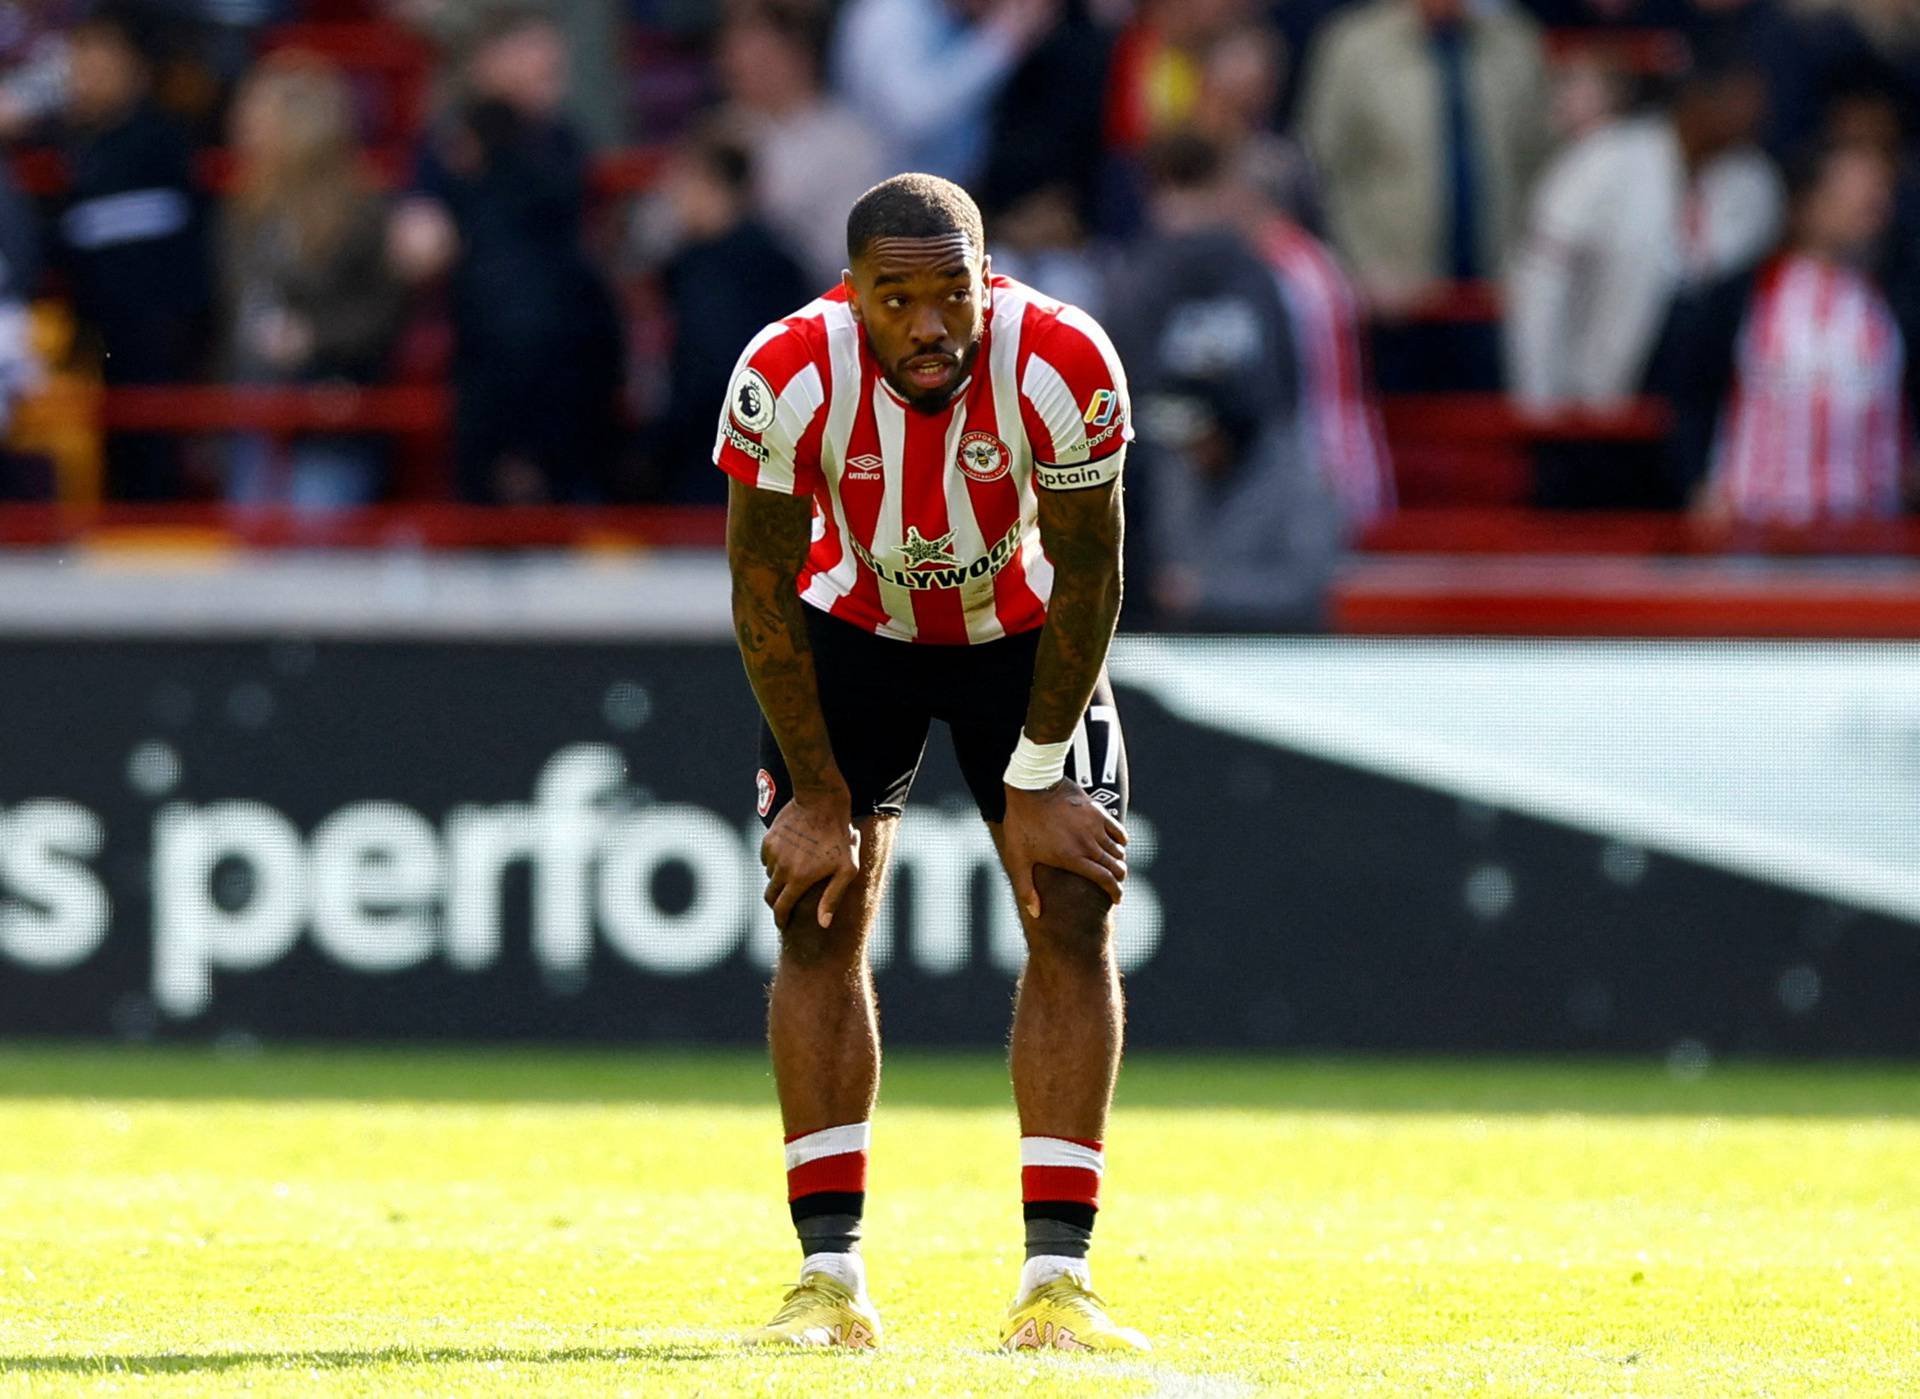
(1241, 530)
(1625, 220)
(595, 33)
(1872, 114)
(1344, 432)
(131, 237)
(727, 281)
(1046, 136)
(308, 294)
(1238, 105)
(968, 48)
(20, 369)
(500, 200)
(1426, 119)
(1798, 48)
(1590, 90)
(1154, 82)
(812, 157)
(1153, 85)
(1041, 241)
(1794, 403)
(33, 59)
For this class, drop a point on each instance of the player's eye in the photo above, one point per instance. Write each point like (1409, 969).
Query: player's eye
(963, 295)
(894, 303)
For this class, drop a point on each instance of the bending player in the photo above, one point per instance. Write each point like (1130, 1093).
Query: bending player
(924, 523)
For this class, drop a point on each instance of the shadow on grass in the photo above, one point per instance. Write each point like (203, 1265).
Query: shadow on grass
(1161, 1081)
(220, 1362)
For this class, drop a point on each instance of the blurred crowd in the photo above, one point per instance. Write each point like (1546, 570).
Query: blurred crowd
(1272, 204)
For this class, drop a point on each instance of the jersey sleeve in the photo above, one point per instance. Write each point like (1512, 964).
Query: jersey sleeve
(1073, 400)
(767, 435)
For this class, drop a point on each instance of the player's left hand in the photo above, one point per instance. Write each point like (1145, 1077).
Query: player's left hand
(1063, 827)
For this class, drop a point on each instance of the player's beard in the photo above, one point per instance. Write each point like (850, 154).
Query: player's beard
(936, 402)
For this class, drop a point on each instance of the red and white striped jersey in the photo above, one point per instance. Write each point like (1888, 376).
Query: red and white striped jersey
(925, 525)
(1342, 419)
(1815, 427)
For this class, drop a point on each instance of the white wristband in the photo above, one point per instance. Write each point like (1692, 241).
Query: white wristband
(1036, 766)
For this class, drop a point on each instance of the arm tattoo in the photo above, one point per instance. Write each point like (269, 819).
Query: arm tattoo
(767, 540)
(1082, 532)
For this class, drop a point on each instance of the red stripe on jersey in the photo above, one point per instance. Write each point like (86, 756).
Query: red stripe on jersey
(996, 506)
(827, 549)
(860, 504)
(939, 617)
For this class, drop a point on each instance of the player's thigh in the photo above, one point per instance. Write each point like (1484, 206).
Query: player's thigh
(986, 732)
(876, 728)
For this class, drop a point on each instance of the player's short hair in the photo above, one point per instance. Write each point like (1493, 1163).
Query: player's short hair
(913, 206)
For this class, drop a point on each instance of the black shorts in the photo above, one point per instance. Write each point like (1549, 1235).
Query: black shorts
(880, 696)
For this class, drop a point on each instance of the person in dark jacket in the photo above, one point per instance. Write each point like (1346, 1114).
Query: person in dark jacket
(500, 201)
(727, 279)
(1242, 528)
(131, 236)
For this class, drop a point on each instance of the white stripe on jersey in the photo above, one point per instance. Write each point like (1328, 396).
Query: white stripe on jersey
(890, 530)
(1054, 402)
(843, 364)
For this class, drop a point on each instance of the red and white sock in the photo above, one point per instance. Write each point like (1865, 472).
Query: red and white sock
(832, 1161)
(1060, 1195)
(827, 1194)
(1062, 1169)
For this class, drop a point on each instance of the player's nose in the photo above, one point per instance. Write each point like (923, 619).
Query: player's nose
(928, 330)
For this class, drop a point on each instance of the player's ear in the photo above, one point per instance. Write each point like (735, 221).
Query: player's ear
(853, 293)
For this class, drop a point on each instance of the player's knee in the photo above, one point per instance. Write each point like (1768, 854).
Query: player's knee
(803, 942)
(1076, 918)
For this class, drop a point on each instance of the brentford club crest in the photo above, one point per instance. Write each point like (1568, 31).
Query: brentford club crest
(763, 790)
(984, 457)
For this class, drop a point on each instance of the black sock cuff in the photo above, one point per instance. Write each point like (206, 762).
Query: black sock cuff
(852, 1202)
(1073, 1212)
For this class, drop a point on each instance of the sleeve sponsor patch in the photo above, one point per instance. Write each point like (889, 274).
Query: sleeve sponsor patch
(1101, 408)
(750, 400)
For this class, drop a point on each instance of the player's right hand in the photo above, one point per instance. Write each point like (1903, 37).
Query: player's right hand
(812, 840)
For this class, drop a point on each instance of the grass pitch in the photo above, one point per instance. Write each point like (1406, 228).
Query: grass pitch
(502, 1223)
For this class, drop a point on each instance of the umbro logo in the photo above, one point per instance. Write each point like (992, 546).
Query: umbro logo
(1105, 796)
(866, 467)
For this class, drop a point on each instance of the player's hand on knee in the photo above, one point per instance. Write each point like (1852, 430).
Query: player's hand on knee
(811, 841)
(1063, 827)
